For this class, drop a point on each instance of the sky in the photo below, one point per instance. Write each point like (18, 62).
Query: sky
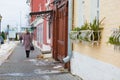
(14, 13)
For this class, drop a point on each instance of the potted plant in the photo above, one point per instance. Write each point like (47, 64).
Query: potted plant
(115, 38)
(74, 34)
(84, 32)
(96, 28)
(87, 32)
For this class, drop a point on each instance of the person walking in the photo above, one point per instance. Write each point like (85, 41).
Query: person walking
(20, 38)
(27, 40)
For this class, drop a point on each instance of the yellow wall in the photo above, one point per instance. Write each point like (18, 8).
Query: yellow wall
(104, 52)
(74, 11)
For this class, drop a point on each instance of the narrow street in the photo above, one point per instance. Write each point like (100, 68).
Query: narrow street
(18, 67)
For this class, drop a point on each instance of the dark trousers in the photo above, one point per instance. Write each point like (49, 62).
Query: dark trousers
(20, 41)
(27, 53)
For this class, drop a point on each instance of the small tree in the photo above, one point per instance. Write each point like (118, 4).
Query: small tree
(3, 35)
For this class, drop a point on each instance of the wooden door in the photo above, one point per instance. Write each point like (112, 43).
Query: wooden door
(62, 29)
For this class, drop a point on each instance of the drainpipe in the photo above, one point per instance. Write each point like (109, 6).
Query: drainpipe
(69, 50)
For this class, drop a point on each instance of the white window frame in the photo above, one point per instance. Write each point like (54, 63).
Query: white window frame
(48, 32)
(95, 9)
(40, 33)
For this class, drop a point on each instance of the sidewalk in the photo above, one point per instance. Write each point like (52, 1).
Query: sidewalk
(6, 50)
(18, 67)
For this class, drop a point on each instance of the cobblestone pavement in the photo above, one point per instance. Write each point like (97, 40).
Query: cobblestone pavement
(17, 67)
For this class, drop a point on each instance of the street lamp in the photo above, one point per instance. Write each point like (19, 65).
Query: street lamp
(0, 22)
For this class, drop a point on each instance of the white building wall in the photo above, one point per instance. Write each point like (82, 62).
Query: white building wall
(91, 69)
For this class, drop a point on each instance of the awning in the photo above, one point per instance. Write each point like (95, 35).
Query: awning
(41, 12)
(46, 15)
(55, 2)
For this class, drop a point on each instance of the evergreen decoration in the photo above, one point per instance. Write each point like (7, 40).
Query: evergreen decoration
(3, 35)
(115, 37)
(88, 31)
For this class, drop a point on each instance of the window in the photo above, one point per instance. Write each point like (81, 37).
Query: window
(49, 34)
(40, 33)
(97, 14)
(97, 3)
(39, 7)
(98, 9)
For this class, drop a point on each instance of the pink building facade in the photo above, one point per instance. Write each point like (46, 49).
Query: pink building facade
(40, 21)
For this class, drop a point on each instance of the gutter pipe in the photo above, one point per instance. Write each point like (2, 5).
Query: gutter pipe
(69, 50)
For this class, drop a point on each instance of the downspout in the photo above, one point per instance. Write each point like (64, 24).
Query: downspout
(69, 50)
